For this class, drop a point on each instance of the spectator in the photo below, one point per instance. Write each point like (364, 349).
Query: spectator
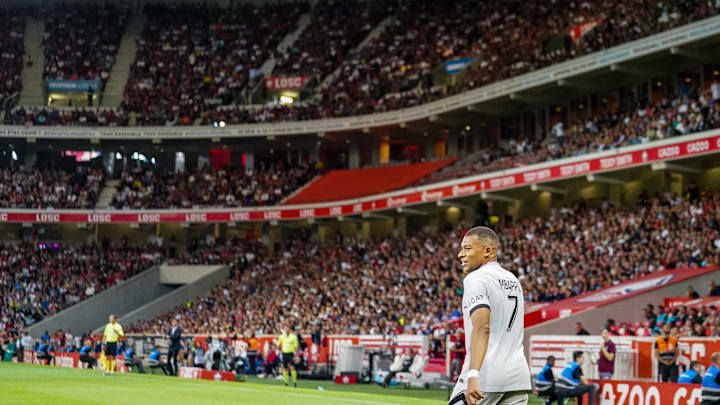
(666, 352)
(580, 331)
(693, 375)
(457, 353)
(606, 361)
(713, 289)
(572, 383)
(691, 293)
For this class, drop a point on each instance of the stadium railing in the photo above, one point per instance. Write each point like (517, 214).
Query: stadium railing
(656, 154)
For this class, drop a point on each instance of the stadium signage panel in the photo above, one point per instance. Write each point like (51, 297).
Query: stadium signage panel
(670, 149)
(645, 393)
(72, 85)
(286, 82)
(457, 65)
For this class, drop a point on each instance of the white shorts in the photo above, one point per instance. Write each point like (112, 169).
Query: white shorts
(491, 398)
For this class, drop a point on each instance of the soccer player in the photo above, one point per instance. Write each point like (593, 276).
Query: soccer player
(113, 331)
(288, 343)
(495, 371)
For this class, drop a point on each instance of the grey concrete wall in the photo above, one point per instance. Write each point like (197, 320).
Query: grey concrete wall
(630, 309)
(92, 313)
(184, 274)
(177, 297)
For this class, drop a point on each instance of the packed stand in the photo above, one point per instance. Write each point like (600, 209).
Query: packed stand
(12, 49)
(684, 320)
(408, 284)
(229, 187)
(336, 28)
(86, 117)
(80, 41)
(39, 279)
(50, 188)
(694, 111)
(506, 38)
(192, 58)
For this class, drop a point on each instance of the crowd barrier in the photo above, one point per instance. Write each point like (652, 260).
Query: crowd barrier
(67, 360)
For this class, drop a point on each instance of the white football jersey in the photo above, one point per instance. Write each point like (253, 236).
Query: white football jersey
(505, 368)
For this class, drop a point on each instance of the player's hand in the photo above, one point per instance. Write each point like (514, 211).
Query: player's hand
(473, 394)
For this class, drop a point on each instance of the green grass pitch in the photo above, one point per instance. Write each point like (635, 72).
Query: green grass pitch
(22, 384)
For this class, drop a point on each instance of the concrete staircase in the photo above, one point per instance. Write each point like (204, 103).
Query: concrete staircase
(371, 36)
(33, 93)
(106, 195)
(287, 42)
(112, 95)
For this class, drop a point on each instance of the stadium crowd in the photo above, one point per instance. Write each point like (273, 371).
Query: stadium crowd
(693, 321)
(693, 111)
(80, 42)
(40, 279)
(88, 117)
(50, 187)
(12, 49)
(408, 283)
(228, 187)
(336, 28)
(193, 58)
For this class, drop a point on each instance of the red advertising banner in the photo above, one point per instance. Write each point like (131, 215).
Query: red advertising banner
(693, 303)
(202, 374)
(67, 360)
(490, 183)
(542, 312)
(643, 393)
(675, 301)
(286, 82)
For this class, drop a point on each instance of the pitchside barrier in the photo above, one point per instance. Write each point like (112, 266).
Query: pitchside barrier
(68, 360)
(636, 355)
(325, 352)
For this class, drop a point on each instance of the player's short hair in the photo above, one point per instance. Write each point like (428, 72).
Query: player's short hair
(715, 357)
(693, 364)
(483, 234)
(577, 354)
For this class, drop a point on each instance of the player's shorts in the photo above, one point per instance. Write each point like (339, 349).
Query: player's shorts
(287, 359)
(111, 348)
(494, 398)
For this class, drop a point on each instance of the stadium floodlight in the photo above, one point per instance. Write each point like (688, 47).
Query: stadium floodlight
(594, 178)
(118, 156)
(550, 189)
(222, 124)
(14, 155)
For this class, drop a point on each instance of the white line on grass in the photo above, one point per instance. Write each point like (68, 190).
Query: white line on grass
(290, 394)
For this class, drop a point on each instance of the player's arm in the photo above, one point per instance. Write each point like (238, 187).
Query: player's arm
(479, 339)
(118, 329)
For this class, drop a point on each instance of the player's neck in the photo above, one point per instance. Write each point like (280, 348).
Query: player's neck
(489, 260)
